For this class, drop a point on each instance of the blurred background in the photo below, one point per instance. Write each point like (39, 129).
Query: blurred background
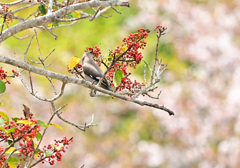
(202, 87)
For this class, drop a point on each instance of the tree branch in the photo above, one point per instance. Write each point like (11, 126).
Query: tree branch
(54, 16)
(67, 79)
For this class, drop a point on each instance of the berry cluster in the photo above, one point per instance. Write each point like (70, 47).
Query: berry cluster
(51, 152)
(134, 42)
(6, 15)
(160, 29)
(3, 157)
(128, 55)
(22, 131)
(3, 75)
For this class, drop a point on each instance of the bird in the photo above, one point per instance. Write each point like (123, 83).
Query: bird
(92, 72)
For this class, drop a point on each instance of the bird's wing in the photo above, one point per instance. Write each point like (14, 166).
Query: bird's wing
(92, 72)
(95, 74)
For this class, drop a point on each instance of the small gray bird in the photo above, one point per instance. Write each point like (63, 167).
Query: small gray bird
(92, 72)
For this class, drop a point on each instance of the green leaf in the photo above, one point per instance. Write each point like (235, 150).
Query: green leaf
(38, 136)
(9, 142)
(11, 130)
(118, 75)
(148, 66)
(41, 123)
(4, 116)
(48, 153)
(1, 128)
(70, 15)
(42, 9)
(1, 121)
(12, 165)
(56, 24)
(15, 119)
(2, 87)
(13, 159)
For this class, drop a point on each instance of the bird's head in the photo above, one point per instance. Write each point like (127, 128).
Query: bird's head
(87, 56)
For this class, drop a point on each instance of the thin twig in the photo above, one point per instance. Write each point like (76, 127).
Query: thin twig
(42, 61)
(34, 61)
(30, 78)
(21, 38)
(24, 7)
(151, 85)
(60, 94)
(145, 74)
(94, 16)
(31, 14)
(81, 127)
(115, 10)
(50, 30)
(157, 97)
(12, 3)
(25, 54)
(73, 19)
(48, 55)
(4, 21)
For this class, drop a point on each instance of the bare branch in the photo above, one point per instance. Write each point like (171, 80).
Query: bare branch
(21, 38)
(51, 18)
(12, 3)
(25, 54)
(48, 55)
(60, 94)
(24, 7)
(31, 15)
(34, 61)
(50, 30)
(116, 10)
(42, 61)
(145, 74)
(81, 127)
(94, 16)
(50, 7)
(157, 97)
(30, 78)
(73, 19)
